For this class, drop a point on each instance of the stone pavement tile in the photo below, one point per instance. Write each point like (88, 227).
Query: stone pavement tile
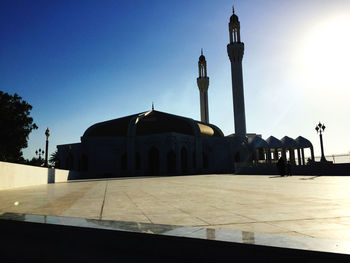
(42, 199)
(333, 228)
(329, 233)
(212, 216)
(263, 215)
(207, 200)
(110, 209)
(327, 212)
(83, 213)
(119, 204)
(89, 203)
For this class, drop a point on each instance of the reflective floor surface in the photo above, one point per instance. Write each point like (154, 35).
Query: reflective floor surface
(333, 246)
(297, 206)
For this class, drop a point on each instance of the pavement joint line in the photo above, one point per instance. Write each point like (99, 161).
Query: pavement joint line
(303, 234)
(103, 202)
(303, 219)
(250, 218)
(138, 207)
(283, 228)
(293, 220)
(183, 211)
(274, 221)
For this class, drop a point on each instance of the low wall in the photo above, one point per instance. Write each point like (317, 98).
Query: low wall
(19, 175)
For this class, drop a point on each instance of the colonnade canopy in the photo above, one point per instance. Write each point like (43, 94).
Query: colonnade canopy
(303, 142)
(257, 142)
(152, 122)
(274, 143)
(288, 142)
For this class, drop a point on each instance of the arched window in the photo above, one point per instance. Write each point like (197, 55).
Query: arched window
(153, 161)
(124, 162)
(137, 161)
(184, 164)
(70, 162)
(84, 162)
(171, 161)
(194, 160)
(205, 161)
(237, 157)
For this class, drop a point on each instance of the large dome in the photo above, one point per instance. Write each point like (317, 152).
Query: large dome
(152, 122)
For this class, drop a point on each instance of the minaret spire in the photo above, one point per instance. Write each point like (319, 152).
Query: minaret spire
(203, 84)
(235, 50)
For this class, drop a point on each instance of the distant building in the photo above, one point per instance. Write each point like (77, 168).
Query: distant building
(158, 143)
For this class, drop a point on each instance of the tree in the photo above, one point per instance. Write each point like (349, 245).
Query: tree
(15, 127)
(54, 159)
(35, 161)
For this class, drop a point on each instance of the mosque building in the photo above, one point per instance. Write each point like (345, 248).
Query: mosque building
(158, 143)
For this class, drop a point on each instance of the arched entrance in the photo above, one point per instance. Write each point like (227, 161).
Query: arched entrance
(137, 161)
(237, 157)
(205, 161)
(184, 164)
(123, 161)
(70, 162)
(85, 163)
(153, 161)
(194, 160)
(171, 162)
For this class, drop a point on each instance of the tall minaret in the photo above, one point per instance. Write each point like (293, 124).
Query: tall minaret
(235, 52)
(203, 84)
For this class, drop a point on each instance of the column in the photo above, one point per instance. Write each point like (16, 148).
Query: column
(299, 158)
(302, 155)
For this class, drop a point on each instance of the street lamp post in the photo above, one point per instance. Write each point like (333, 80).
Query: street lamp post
(40, 152)
(320, 129)
(47, 133)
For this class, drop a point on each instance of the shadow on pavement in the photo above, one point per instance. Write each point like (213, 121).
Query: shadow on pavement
(311, 178)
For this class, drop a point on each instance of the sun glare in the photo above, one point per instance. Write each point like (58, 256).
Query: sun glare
(323, 55)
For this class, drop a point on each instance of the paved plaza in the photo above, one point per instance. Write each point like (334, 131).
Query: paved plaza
(305, 206)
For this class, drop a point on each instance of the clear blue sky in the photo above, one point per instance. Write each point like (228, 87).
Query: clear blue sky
(82, 62)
